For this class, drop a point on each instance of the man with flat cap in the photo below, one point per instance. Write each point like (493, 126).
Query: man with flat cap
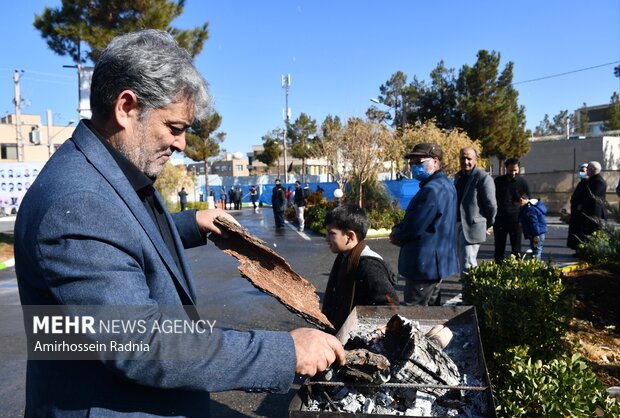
(427, 234)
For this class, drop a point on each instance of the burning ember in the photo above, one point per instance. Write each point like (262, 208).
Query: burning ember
(400, 369)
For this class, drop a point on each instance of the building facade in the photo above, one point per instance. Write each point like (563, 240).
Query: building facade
(39, 141)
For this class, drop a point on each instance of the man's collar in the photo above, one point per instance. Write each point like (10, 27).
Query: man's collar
(142, 184)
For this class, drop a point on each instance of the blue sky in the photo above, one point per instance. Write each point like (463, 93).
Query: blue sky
(339, 52)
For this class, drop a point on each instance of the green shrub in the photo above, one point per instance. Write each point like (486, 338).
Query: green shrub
(197, 205)
(602, 247)
(375, 195)
(519, 302)
(385, 218)
(315, 216)
(563, 387)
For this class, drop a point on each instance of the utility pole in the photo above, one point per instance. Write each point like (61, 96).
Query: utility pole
(18, 118)
(286, 84)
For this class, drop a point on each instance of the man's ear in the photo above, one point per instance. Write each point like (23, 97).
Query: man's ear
(126, 109)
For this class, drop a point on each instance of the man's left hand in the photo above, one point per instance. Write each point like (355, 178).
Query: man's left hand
(206, 218)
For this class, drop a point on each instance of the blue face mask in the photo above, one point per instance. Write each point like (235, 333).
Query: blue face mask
(582, 174)
(418, 171)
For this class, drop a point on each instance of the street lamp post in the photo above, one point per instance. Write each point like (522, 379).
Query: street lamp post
(375, 100)
(286, 84)
(50, 137)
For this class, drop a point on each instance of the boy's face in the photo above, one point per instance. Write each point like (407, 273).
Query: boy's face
(338, 240)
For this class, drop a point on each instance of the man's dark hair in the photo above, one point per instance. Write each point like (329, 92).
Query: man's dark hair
(348, 218)
(511, 161)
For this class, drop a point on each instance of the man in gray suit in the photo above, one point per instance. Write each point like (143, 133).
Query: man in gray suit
(477, 208)
(92, 233)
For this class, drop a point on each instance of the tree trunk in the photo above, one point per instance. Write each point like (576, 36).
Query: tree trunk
(303, 170)
(359, 192)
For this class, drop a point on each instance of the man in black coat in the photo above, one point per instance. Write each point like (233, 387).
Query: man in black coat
(577, 219)
(594, 203)
(359, 275)
(278, 203)
(508, 190)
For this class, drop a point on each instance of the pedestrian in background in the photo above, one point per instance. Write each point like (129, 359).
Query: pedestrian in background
(577, 221)
(532, 216)
(289, 193)
(238, 198)
(254, 197)
(359, 276)
(508, 190)
(427, 234)
(476, 208)
(299, 202)
(278, 204)
(183, 198)
(231, 197)
(595, 202)
(223, 197)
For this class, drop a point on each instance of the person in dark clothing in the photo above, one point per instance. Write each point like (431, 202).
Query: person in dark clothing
(223, 197)
(254, 197)
(238, 198)
(508, 191)
(183, 198)
(278, 203)
(359, 276)
(231, 197)
(427, 234)
(299, 202)
(577, 219)
(594, 204)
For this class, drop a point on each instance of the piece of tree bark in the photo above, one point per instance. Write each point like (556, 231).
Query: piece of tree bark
(270, 273)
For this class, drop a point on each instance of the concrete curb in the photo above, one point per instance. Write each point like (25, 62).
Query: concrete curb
(569, 267)
(8, 263)
(378, 233)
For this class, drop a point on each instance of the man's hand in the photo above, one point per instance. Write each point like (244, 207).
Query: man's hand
(393, 239)
(315, 351)
(206, 218)
(536, 240)
(489, 230)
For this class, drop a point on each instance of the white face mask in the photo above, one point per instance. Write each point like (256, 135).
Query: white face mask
(582, 175)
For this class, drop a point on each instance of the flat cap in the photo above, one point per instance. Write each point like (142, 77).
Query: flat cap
(426, 149)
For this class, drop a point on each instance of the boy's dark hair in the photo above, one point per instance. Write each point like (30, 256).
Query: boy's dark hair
(348, 218)
(511, 161)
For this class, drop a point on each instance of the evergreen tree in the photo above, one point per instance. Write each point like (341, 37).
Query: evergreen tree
(544, 127)
(302, 134)
(272, 149)
(396, 95)
(559, 123)
(203, 142)
(613, 123)
(96, 22)
(489, 106)
(584, 120)
(438, 102)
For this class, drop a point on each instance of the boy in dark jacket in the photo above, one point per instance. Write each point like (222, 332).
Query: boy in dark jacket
(359, 275)
(532, 216)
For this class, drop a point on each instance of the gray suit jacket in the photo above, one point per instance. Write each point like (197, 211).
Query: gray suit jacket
(83, 237)
(478, 206)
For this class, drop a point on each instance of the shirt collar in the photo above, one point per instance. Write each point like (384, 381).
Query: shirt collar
(139, 181)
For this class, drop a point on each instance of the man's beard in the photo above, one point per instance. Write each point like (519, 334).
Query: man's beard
(140, 154)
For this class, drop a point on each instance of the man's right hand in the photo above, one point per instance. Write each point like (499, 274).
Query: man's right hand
(315, 351)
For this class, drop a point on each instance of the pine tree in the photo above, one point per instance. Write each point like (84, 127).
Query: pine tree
(272, 150)
(613, 123)
(96, 22)
(203, 142)
(302, 134)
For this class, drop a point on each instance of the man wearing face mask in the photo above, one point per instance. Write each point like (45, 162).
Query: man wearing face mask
(576, 233)
(427, 234)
